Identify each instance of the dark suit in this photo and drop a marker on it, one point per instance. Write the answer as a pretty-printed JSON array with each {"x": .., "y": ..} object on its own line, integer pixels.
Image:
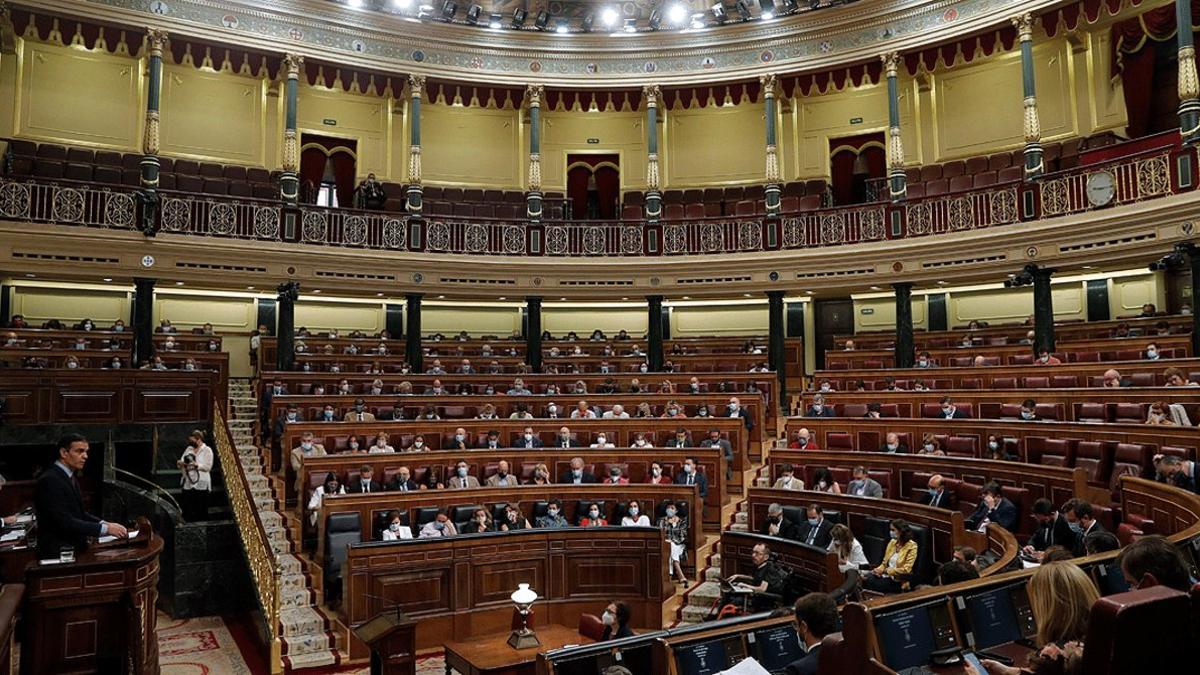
[
  {"x": 946, "y": 499},
  {"x": 958, "y": 415},
  {"x": 410, "y": 485},
  {"x": 825, "y": 411},
  {"x": 673, "y": 442},
  {"x": 698, "y": 478},
  {"x": 567, "y": 478},
  {"x": 807, "y": 665},
  {"x": 62, "y": 522},
  {"x": 558, "y": 443},
  {"x": 1057, "y": 533},
  {"x": 522, "y": 443},
  {"x": 901, "y": 449},
  {"x": 787, "y": 529},
  {"x": 1079, "y": 549},
  {"x": 1004, "y": 515},
  {"x": 742, "y": 413},
  {"x": 357, "y": 487},
  {"x": 819, "y": 534}
]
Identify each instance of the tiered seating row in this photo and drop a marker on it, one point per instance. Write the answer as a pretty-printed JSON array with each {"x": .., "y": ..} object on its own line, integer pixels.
[
  {"x": 1065, "y": 376},
  {"x": 1144, "y": 327},
  {"x": 1090, "y": 351}
]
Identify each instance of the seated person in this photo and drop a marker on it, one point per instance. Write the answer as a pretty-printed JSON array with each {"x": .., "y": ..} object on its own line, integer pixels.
[
  {"x": 554, "y": 517},
  {"x": 787, "y": 479},
  {"x": 815, "y": 530},
  {"x": 481, "y": 522},
  {"x": 403, "y": 482},
  {"x": 816, "y": 617},
  {"x": 994, "y": 508},
  {"x": 513, "y": 520},
  {"x": 1045, "y": 358},
  {"x": 954, "y": 571},
  {"x": 395, "y": 529},
  {"x": 359, "y": 413},
  {"x": 593, "y": 518},
  {"x": 633, "y": 516},
  {"x": 951, "y": 411},
  {"x": 936, "y": 494},
  {"x": 818, "y": 408},
  {"x": 863, "y": 485},
  {"x": 616, "y": 621},
  {"x": 640, "y": 441},
  {"x": 331, "y": 486},
  {"x": 1052, "y": 529},
  {"x": 823, "y": 482},
  {"x": 541, "y": 475},
  {"x": 615, "y": 477},
  {"x": 1175, "y": 471},
  {"x": 1081, "y": 517},
  {"x": 1151, "y": 560},
  {"x": 492, "y": 442},
  {"x": 930, "y": 445},
  {"x": 617, "y": 412},
  {"x": 460, "y": 441},
  {"x": 418, "y": 444},
  {"x": 997, "y": 449},
  {"x": 440, "y": 526},
  {"x": 691, "y": 476},
  {"x": 768, "y": 577},
  {"x": 366, "y": 482},
  {"x": 602, "y": 442},
  {"x": 778, "y": 525},
  {"x": 1029, "y": 410},
  {"x": 803, "y": 441},
  {"x": 657, "y": 476},
  {"x": 892, "y": 444},
  {"x": 502, "y": 477},
  {"x": 898, "y": 560},
  {"x": 461, "y": 479},
  {"x": 381, "y": 444},
  {"x": 576, "y": 474}
]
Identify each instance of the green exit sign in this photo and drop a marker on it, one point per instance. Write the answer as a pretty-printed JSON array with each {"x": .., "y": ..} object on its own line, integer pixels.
[
  {"x": 329, "y": 122},
  {"x": 855, "y": 120}
]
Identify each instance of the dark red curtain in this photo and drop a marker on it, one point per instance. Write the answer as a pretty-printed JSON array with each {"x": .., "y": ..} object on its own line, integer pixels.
[
  {"x": 1144, "y": 56},
  {"x": 577, "y": 185},
  {"x": 847, "y": 187},
  {"x": 312, "y": 167},
  {"x": 343, "y": 175},
  {"x": 608, "y": 184}
]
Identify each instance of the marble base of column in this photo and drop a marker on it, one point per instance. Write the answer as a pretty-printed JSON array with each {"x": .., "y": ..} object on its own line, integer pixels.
[
  {"x": 533, "y": 334},
  {"x": 1043, "y": 312},
  {"x": 1189, "y": 121},
  {"x": 772, "y": 196},
  {"x": 897, "y": 184},
  {"x": 654, "y": 334},
  {"x": 1034, "y": 162},
  {"x": 533, "y": 205},
  {"x": 653, "y": 205},
  {"x": 143, "y": 321},
  {"x": 412, "y": 333},
  {"x": 904, "y": 326},
  {"x": 415, "y": 199},
  {"x": 289, "y": 188}
]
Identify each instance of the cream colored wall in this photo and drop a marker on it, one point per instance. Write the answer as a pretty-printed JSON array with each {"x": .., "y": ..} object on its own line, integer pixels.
[
  {"x": 472, "y": 146},
  {"x": 583, "y": 320},
  {"x": 714, "y": 145},
  {"x": 214, "y": 116},
  {"x": 817, "y": 119},
  {"x": 1126, "y": 295},
  {"x": 233, "y": 317},
  {"x": 367, "y": 119},
  {"x": 70, "y": 304},
  {"x": 717, "y": 319},
  {"x": 450, "y": 319},
  {"x": 75, "y": 96},
  {"x": 567, "y": 133},
  {"x": 321, "y": 315},
  {"x": 881, "y": 314}
]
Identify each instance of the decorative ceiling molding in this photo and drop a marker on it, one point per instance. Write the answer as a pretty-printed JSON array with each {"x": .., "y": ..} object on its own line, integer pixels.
[{"x": 322, "y": 30}]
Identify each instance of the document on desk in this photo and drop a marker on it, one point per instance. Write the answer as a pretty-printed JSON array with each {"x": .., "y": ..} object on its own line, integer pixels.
[
  {"x": 109, "y": 538},
  {"x": 746, "y": 667},
  {"x": 12, "y": 536}
]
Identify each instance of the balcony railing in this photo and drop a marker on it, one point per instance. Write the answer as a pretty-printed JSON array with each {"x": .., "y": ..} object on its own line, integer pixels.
[{"x": 1136, "y": 177}]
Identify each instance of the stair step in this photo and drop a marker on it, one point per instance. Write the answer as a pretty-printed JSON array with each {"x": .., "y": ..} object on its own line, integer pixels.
[
  {"x": 314, "y": 660},
  {"x": 741, "y": 518},
  {"x": 712, "y": 574},
  {"x": 739, "y": 527}
]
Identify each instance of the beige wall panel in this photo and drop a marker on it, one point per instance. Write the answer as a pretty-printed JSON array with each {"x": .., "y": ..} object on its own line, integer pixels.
[
  {"x": 712, "y": 145},
  {"x": 8, "y": 93},
  {"x": 1101, "y": 95},
  {"x": 346, "y": 317},
  {"x": 978, "y": 107},
  {"x": 217, "y": 117},
  {"x": 692, "y": 321},
  {"x": 583, "y": 320},
  {"x": 70, "y": 305},
  {"x": 883, "y": 314},
  {"x": 621, "y": 133},
  {"x": 820, "y": 118},
  {"x": 1128, "y": 294},
  {"x": 359, "y": 117},
  {"x": 79, "y": 97},
  {"x": 226, "y": 314},
  {"x": 1014, "y": 305},
  {"x": 481, "y": 320},
  {"x": 471, "y": 146}
]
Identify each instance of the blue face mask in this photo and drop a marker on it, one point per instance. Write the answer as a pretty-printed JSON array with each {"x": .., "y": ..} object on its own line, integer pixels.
[
  {"x": 814, "y": 521},
  {"x": 933, "y": 492},
  {"x": 1076, "y": 527},
  {"x": 895, "y": 537}
]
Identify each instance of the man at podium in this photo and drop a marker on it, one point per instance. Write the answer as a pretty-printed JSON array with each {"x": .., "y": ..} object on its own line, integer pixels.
[{"x": 58, "y": 503}]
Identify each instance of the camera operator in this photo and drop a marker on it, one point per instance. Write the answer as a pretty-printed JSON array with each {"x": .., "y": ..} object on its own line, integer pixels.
[{"x": 196, "y": 480}]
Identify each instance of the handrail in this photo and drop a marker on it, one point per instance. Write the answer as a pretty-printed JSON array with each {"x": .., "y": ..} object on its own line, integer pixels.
[
  {"x": 264, "y": 566},
  {"x": 154, "y": 487}
]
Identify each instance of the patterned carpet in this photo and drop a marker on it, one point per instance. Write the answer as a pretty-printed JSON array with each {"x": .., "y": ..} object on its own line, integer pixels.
[{"x": 206, "y": 646}]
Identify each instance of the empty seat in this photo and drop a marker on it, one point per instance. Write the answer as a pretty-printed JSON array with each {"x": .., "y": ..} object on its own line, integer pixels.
[
  {"x": 236, "y": 189},
  {"x": 452, "y": 194},
  {"x": 1141, "y": 631},
  {"x": 166, "y": 181},
  {"x": 793, "y": 190},
  {"x": 81, "y": 155},
  {"x": 77, "y": 171},
  {"x": 52, "y": 151},
  {"x": 234, "y": 172},
  {"x": 976, "y": 165},
  {"x": 816, "y": 186},
  {"x": 936, "y": 187},
  {"x": 473, "y": 195},
  {"x": 188, "y": 167},
  {"x": 954, "y": 169},
  {"x": 1036, "y": 382},
  {"x": 1004, "y": 383},
  {"x": 673, "y": 197},
  {"x": 712, "y": 210},
  {"x": 809, "y": 203},
  {"x": 693, "y": 211},
  {"x": 631, "y": 213},
  {"x": 789, "y": 204},
  {"x": 693, "y": 196},
  {"x": 931, "y": 172},
  {"x": 745, "y": 207},
  {"x": 106, "y": 175},
  {"x": 1133, "y": 413},
  {"x": 49, "y": 168},
  {"x": 1090, "y": 412},
  {"x": 264, "y": 191},
  {"x": 915, "y": 190},
  {"x": 1010, "y": 174},
  {"x": 258, "y": 175},
  {"x": 186, "y": 183},
  {"x": 673, "y": 211},
  {"x": 985, "y": 179},
  {"x": 634, "y": 198},
  {"x": 1129, "y": 459},
  {"x": 493, "y": 196},
  {"x": 462, "y": 209},
  {"x": 961, "y": 183},
  {"x": 1064, "y": 381},
  {"x": 216, "y": 186},
  {"x": 754, "y": 192},
  {"x": 484, "y": 211},
  {"x": 733, "y": 194},
  {"x": 1095, "y": 458},
  {"x": 210, "y": 170},
  {"x": 1055, "y": 452},
  {"x": 999, "y": 161}
]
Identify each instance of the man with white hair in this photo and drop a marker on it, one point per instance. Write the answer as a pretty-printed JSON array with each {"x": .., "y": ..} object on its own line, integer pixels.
[{"x": 617, "y": 412}]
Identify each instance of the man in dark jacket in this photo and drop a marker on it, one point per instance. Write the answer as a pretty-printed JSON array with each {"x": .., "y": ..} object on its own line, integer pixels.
[{"x": 58, "y": 504}]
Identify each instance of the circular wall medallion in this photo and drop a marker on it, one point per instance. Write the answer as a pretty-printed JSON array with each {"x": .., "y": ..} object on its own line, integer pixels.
[
  {"x": 291, "y": 271},
  {"x": 1031, "y": 252},
  {"x": 229, "y": 21},
  {"x": 708, "y": 62},
  {"x": 418, "y": 55},
  {"x": 773, "y": 276},
  {"x": 950, "y": 15},
  {"x": 1187, "y": 227},
  {"x": 535, "y": 66},
  {"x": 358, "y": 46},
  {"x": 654, "y": 281},
  {"x": 296, "y": 34},
  {"x": 147, "y": 261},
  {"x": 766, "y": 56},
  {"x": 650, "y": 66},
  {"x": 897, "y": 266},
  {"x": 417, "y": 277}
]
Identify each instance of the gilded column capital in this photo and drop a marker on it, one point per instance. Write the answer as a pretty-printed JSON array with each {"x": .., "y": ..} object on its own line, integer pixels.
[
  {"x": 768, "y": 82},
  {"x": 534, "y": 94},
  {"x": 156, "y": 39},
  {"x": 415, "y": 84},
  {"x": 535, "y": 172},
  {"x": 652, "y": 94},
  {"x": 1024, "y": 25},
  {"x": 891, "y": 63},
  {"x": 1189, "y": 86},
  {"x": 292, "y": 63}
]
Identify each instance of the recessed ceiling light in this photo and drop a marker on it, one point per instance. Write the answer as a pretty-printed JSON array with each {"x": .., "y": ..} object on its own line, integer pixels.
[
  {"x": 107, "y": 279},
  {"x": 249, "y": 288},
  {"x": 875, "y": 288},
  {"x": 747, "y": 295},
  {"x": 1088, "y": 267},
  {"x": 503, "y": 298},
  {"x": 441, "y": 297},
  {"x": 379, "y": 295},
  {"x": 687, "y": 297},
  {"x": 562, "y": 299},
  {"x": 809, "y": 292},
  {"x": 178, "y": 283},
  {"x": 625, "y": 298},
  {"x": 31, "y": 275},
  {"x": 316, "y": 290},
  {"x": 941, "y": 283}
]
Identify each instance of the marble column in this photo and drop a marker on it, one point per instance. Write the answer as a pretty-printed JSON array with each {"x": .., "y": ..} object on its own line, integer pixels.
[
  {"x": 652, "y": 94},
  {"x": 1032, "y": 124},
  {"x": 897, "y": 182},
  {"x": 285, "y": 333},
  {"x": 415, "y": 193},
  {"x": 773, "y": 188},
  {"x": 533, "y": 333},
  {"x": 1189, "y": 87},
  {"x": 533, "y": 198},
  {"x": 413, "y": 355},
  {"x": 155, "y": 41},
  {"x": 654, "y": 335},
  {"x": 1043, "y": 310},
  {"x": 904, "y": 325},
  {"x": 143, "y": 321},
  {"x": 777, "y": 333},
  {"x": 289, "y": 181}
]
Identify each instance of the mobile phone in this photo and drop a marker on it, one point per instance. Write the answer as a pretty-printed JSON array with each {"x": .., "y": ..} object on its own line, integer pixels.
[{"x": 972, "y": 659}]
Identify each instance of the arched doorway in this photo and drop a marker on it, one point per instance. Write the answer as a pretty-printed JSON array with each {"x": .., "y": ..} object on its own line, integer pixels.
[
  {"x": 857, "y": 167},
  {"x": 327, "y": 170},
  {"x": 594, "y": 185}
]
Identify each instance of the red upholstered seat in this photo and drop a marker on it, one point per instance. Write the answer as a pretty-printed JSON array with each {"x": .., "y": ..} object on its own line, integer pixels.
[
  {"x": 1064, "y": 381},
  {"x": 1004, "y": 383},
  {"x": 1091, "y": 412},
  {"x": 986, "y": 179},
  {"x": 673, "y": 197},
  {"x": 963, "y": 446},
  {"x": 1131, "y": 459},
  {"x": 673, "y": 212},
  {"x": 790, "y": 204},
  {"x": 885, "y": 481},
  {"x": 794, "y": 189},
  {"x": 591, "y": 627},
  {"x": 712, "y": 210},
  {"x": 1036, "y": 382},
  {"x": 931, "y": 172},
  {"x": 1142, "y": 631},
  {"x": 976, "y": 165},
  {"x": 234, "y": 172},
  {"x": 1129, "y": 412},
  {"x": 1047, "y": 411},
  {"x": 835, "y": 440},
  {"x": 953, "y": 169},
  {"x": 1095, "y": 458},
  {"x": 1142, "y": 380},
  {"x": 1054, "y": 451},
  {"x": 1087, "y": 357},
  {"x": 745, "y": 207},
  {"x": 971, "y": 383},
  {"x": 695, "y": 210},
  {"x": 1010, "y": 174},
  {"x": 1127, "y": 533},
  {"x": 915, "y": 190},
  {"x": 961, "y": 183},
  {"x": 810, "y": 203},
  {"x": 998, "y": 161},
  {"x": 631, "y": 213},
  {"x": 936, "y": 187},
  {"x": 854, "y": 410},
  {"x": 1010, "y": 411}
]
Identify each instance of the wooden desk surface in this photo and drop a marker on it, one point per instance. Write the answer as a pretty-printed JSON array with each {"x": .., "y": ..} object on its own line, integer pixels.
[{"x": 491, "y": 653}]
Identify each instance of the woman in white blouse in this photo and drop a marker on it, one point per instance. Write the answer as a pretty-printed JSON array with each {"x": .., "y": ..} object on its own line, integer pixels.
[
  {"x": 196, "y": 478},
  {"x": 395, "y": 529},
  {"x": 850, "y": 559},
  {"x": 634, "y": 517},
  {"x": 331, "y": 486},
  {"x": 381, "y": 444}
]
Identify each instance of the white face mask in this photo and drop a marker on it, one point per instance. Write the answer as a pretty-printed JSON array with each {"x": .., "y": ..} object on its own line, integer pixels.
[
  {"x": 633, "y": 511},
  {"x": 609, "y": 619},
  {"x": 395, "y": 528}
]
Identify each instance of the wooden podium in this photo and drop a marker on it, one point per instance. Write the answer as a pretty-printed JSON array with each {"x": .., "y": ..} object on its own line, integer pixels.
[
  {"x": 391, "y": 637},
  {"x": 97, "y": 614}
]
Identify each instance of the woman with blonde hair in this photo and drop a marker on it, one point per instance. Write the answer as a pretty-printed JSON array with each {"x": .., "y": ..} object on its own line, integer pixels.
[{"x": 1061, "y": 596}]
